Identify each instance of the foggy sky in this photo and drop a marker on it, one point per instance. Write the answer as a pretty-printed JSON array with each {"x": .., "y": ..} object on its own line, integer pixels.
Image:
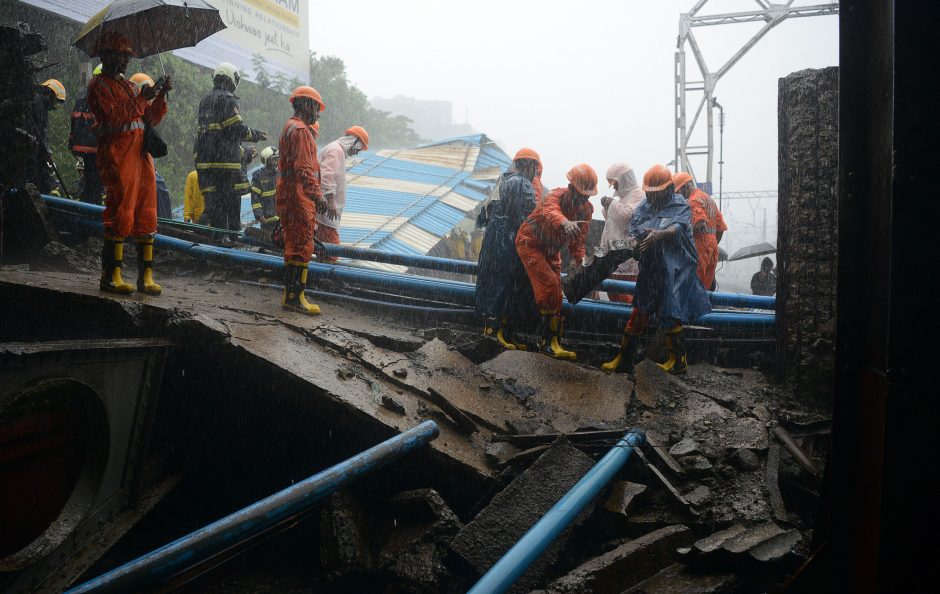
[{"x": 592, "y": 83}]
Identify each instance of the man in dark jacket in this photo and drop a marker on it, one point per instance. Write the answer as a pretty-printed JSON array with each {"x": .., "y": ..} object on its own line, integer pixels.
[
  {"x": 263, "y": 186},
  {"x": 218, "y": 152},
  {"x": 50, "y": 95},
  {"x": 503, "y": 291},
  {"x": 667, "y": 286},
  {"x": 83, "y": 144}
]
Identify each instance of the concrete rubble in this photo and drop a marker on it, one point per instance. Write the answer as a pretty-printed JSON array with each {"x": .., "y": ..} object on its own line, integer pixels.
[{"x": 712, "y": 494}]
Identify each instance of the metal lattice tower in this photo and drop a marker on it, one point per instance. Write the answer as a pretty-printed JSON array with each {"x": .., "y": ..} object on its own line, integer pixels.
[{"x": 771, "y": 15}]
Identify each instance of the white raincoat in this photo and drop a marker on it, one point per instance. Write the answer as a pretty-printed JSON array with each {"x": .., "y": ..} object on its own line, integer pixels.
[
  {"x": 627, "y": 197},
  {"x": 333, "y": 178}
]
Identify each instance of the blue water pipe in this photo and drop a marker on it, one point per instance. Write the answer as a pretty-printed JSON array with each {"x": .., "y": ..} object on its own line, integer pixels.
[
  {"x": 437, "y": 290},
  {"x": 504, "y": 573},
  {"x": 170, "y": 560}
]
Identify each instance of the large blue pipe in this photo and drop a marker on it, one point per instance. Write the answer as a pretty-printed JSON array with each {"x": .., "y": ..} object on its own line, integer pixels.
[
  {"x": 504, "y": 573},
  {"x": 430, "y": 289},
  {"x": 185, "y": 553}
]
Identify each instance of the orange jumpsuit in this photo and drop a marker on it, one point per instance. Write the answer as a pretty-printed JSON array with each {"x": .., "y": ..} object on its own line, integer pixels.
[
  {"x": 539, "y": 242},
  {"x": 127, "y": 173},
  {"x": 705, "y": 210},
  {"x": 298, "y": 186}
]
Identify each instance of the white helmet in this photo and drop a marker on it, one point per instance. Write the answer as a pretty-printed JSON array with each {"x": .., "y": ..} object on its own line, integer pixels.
[
  {"x": 267, "y": 153},
  {"x": 228, "y": 70}
]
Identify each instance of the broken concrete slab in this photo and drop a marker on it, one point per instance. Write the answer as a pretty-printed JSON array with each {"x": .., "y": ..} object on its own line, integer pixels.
[
  {"x": 567, "y": 396},
  {"x": 659, "y": 453},
  {"x": 744, "y": 459},
  {"x": 681, "y": 579},
  {"x": 626, "y": 565},
  {"x": 624, "y": 497},
  {"x": 699, "y": 495},
  {"x": 499, "y": 453},
  {"x": 741, "y": 547},
  {"x": 518, "y": 507},
  {"x": 654, "y": 386},
  {"x": 661, "y": 478},
  {"x": 413, "y": 547},
  {"x": 685, "y": 447},
  {"x": 698, "y": 466}
]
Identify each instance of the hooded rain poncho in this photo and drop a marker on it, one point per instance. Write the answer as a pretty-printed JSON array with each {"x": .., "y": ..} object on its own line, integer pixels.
[{"x": 667, "y": 285}]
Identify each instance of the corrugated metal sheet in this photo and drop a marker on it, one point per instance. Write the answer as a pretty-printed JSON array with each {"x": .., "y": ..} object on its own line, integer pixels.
[{"x": 407, "y": 200}]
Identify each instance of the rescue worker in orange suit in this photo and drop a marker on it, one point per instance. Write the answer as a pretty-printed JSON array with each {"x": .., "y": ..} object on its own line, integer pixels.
[
  {"x": 83, "y": 144},
  {"x": 667, "y": 286},
  {"x": 707, "y": 227},
  {"x": 127, "y": 172},
  {"x": 562, "y": 218},
  {"x": 298, "y": 194},
  {"x": 263, "y": 186},
  {"x": 50, "y": 95},
  {"x": 333, "y": 182},
  {"x": 219, "y": 156}
]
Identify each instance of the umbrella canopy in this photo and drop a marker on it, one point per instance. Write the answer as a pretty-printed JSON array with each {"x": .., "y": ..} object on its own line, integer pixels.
[
  {"x": 722, "y": 255},
  {"x": 751, "y": 251},
  {"x": 153, "y": 26}
]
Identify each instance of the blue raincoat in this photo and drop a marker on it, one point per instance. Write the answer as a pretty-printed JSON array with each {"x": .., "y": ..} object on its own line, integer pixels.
[
  {"x": 667, "y": 285},
  {"x": 502, "y": 285}
]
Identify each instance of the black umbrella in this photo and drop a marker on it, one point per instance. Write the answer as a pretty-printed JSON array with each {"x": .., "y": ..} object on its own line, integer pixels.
[
  {"x": 751, "y": 251},
  {"x": 153, "y": 26}
]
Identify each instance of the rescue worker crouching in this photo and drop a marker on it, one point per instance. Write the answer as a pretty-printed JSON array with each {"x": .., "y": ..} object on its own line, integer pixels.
[
  {"x": 562, "y": 217},
  {"x": 333, "y": 183},
  {"x": 263, "y": 186},
  {"x": 127, "y": 171},
  {"x": 667, "y": 285},
  {"x": 218, "y": 152},
  {"x": 297, "y": 195}
]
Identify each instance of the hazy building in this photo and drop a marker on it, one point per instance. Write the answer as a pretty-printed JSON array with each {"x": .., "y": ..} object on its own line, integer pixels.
[{"x": 433, "y": 120}]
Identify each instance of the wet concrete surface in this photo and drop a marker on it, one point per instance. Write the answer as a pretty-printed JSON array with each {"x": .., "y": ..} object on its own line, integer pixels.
[{"x": 379, "y": 374}]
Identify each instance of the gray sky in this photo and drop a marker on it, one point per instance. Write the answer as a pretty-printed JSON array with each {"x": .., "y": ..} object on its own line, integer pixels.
[{"x": 589, "y": 82}]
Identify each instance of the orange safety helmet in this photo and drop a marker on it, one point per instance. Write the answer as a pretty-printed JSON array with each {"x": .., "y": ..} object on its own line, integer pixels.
[
  {"x": 140, "y": 79},
  {"x": 56, "y": 87},
  {"x": 316, "y": 129},
  {"x": 584, "y": 179},
  {"x": 658, "y": 178},
  {"x": 309, "y": 93},
  {"x": 527, "y": 153},
  {"x": 360, "y": 133},
  {"x": 114, "y": 42},
  {"x": 680, "y": 179}
]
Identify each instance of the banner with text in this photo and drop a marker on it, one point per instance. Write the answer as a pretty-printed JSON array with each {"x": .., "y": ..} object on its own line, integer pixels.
[{"x": 277, "y": 30}]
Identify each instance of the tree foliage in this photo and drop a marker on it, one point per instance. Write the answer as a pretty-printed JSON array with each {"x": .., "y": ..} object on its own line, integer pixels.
[{"x": 264, "y": 104}]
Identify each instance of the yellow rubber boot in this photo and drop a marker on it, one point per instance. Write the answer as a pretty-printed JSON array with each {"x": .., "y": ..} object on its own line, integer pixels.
[
  {"x": 145, "y": 283},
  {"x": 505, "y": 336},
  {"x": 294, "y": 286},
  {"x": 112, "y": 256},
  {"x": 624, "y": 356},
  {"x": 551, "y": 341},
  {"x": 676, "y": 363}
]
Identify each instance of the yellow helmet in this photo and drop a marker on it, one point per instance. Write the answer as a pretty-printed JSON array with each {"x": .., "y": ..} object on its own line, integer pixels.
[{"x": 56, "y": 87}]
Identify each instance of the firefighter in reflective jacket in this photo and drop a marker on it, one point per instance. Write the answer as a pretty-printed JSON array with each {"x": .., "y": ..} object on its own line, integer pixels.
[
  {"x": 263, "y": 184},
  {"x": 83, "y": 144},
  {"x": 218, "y": 153},
  {"x": 298, "y": 195}
]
